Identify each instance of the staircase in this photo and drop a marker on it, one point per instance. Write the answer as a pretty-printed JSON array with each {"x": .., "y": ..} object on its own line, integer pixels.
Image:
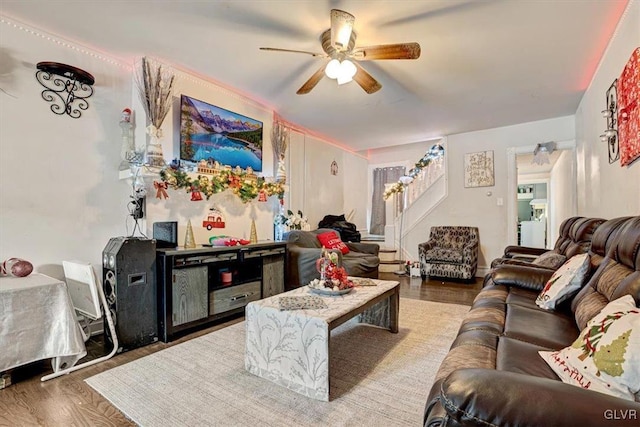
[
  {"x": 388, "y": 256},
  {"x": 406, "y": 210}
]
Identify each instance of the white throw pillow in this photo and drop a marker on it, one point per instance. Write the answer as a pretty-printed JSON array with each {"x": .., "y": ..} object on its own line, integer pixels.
[
  {"x": 604, "y": 358},
  {"x": 565, "y": 282}
]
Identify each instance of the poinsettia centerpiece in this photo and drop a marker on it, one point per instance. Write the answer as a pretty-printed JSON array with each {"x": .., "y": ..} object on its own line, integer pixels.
[{"x": 331, "y": 275}]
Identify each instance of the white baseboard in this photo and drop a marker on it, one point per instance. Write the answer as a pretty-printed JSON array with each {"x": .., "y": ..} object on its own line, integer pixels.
[{"x": 482, "y": 271}]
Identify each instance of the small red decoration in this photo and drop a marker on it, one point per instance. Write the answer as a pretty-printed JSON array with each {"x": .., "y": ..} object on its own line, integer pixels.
[
  {"x": 234, "y": 182},
  {"x": 262, "y": 196},
  {"x": 196, "y": 196},
  {"x": 214, "y": 220},
  {"x": 161, "y": 189}
]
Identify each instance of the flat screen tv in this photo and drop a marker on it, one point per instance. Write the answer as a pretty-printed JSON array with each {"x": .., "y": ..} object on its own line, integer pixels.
[{"x": 214, "y": 134}]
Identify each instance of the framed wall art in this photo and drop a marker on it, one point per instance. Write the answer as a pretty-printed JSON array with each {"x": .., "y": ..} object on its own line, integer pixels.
[
  {"x": 629, "y": 110},
  {"x": 478, "y": 169}
]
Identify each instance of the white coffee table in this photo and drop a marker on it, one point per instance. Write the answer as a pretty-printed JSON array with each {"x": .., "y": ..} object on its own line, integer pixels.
[{"x": 291, "y": 348}]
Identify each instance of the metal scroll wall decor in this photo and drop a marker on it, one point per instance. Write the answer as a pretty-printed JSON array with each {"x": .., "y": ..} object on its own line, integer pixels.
[
  {"x": 610, "y": 135},
  {"x": 66, "y": 87}
]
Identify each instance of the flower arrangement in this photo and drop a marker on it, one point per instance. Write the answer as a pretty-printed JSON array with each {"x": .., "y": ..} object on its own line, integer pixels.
[
  {"x": 331, "y": 276},
  {"x": 295, "y": 221},
  {"x": 155, "y": 86}
]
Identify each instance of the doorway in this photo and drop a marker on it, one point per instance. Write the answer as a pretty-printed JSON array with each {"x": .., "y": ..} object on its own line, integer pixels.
[
  {"x": 540, "y": 197},
  {"x": 533, "y": 212}
]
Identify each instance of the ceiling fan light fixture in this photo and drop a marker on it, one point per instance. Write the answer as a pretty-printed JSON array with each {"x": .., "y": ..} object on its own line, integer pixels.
[
  {"x": 344, "y": 78},
  {"x": 333, "y": 69},
  {"x": 341, "y": 28},
  {"x": 348, "y": 68},
  {"x": 542, "y": 151},
  {"x": 342, "y": 71}
]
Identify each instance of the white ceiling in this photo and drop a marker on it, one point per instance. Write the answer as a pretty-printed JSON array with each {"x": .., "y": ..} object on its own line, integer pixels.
[{"x": 484, "y": 63}]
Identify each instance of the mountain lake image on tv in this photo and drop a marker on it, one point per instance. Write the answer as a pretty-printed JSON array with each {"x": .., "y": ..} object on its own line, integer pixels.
[{"x": 214, "y": 134}]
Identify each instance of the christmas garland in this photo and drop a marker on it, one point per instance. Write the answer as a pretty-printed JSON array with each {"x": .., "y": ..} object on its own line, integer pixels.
[
  {"x": 244, "y": 185},
  {"x": 435, "y": 152}
]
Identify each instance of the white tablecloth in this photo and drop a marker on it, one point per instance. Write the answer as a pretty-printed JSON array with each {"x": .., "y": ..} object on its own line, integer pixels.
[
  {"x": 291, "y": 348},
  {"x": 37, "y": 322}
]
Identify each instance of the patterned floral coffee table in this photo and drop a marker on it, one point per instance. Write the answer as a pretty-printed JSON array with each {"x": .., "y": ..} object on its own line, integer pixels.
[{"x": 291, "y": 347}]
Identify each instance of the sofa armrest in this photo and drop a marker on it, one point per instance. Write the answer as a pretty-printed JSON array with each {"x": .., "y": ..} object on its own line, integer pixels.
[
  {"x": 481, "y": 397},
  {"x": 367, "y": 248},
  {"x": 512, "y": 261},
  {"x": 512, "y": 251},
  {"x": 525, "y": 277},
  {"x": 425, "y": 246},
  {"x": 468, "y": 250}
]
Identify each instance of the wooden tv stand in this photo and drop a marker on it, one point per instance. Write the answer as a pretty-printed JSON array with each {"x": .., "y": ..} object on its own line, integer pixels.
[{"x": 191, "y": 291}]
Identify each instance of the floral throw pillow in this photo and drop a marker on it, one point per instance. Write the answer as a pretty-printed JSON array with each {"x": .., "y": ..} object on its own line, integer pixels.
[
  {"x": 604, "y": 358},
  {"x": 550, "y": 260},
  {"x": 564, "y": 283},
  {"x": 331, "y": 240}
]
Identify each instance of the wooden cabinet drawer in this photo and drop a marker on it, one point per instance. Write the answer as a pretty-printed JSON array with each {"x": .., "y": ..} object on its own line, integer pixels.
[
  {"x": 189, "y": 295},
  {"x": 234, "y": 297}
]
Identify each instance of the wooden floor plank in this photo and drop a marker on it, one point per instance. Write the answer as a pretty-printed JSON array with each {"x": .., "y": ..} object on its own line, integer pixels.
[{"x": 69, "y": 401}]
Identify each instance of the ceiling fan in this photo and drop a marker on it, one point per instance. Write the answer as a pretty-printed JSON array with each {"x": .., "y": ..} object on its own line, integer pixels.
[{"x": 338, "y": 44}]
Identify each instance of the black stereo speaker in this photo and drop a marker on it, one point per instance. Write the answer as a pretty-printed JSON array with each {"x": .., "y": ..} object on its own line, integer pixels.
[
  {"x": 129, "y": 282},
  {"x": 166, "y": 234}
]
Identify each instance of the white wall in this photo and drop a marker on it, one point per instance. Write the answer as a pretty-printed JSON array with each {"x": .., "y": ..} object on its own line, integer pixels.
[
  {"x": 179, "y": 207},
  {"x": 324, "y": 193},
  {"x": 562, "y": 193},
  {"x": 355, "y": 198},
  {"x": 606, "y": 190},
  {"x": 478, "y": 206},
  {"x": 294, "y": 198},
  {"x": 318, "y": 193},
  {"x": 60, "y": 197},
  {"x": 60, "y": 192}
]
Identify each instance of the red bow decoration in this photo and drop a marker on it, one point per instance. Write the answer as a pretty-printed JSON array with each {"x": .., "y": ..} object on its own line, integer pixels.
[
  {"x": 234, "y": 182},
  {"x": 161, "y": 189}
]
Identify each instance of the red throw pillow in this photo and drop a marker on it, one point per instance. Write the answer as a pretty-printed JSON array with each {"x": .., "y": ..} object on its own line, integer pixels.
[{"x": 331, "y": 240}]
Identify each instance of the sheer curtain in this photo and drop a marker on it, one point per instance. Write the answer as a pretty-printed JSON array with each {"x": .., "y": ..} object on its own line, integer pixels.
[{"x": 382, "y": 176}]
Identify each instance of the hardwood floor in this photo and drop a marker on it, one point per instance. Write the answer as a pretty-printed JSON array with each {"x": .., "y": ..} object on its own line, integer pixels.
[{"x": 69, "y": 401}]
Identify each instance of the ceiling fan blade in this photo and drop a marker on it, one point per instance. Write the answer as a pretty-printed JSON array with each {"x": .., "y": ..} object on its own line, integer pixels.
[
  {"x": 366, "y": 80},
  {"x": 387, "y": 51},
  {"x": 341, "y": 29},
  {"x": 275, "y": 49},
  {"x": 312, "y": 82}
]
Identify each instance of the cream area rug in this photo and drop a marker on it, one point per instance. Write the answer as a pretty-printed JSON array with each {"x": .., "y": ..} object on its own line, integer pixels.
[{"x": 377, "y": 378}]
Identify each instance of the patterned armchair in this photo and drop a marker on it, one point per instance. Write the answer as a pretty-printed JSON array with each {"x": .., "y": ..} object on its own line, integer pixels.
[{"x": 451, "y": 252}]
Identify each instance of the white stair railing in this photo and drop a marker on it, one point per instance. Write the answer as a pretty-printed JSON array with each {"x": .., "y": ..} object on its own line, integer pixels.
[
  {"x": 399, "y": 206},
  {"x": 425, "y": 179}
]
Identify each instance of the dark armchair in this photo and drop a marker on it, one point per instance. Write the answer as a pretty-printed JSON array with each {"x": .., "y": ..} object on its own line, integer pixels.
[
  {"x": 575, "y": 238},
  {"x": 304, "y": 248},
  {"x": 451, "y": 252}
]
